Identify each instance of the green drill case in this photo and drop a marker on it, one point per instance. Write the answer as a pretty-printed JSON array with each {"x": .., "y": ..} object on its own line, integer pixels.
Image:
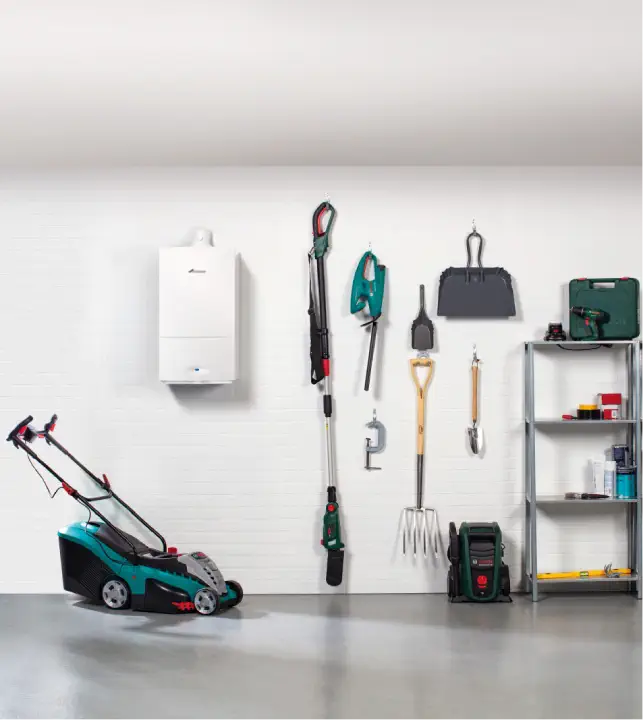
[{"x": 618, "y": 297}]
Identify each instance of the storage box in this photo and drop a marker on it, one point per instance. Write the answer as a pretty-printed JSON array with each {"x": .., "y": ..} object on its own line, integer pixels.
[{"x": 618, "y": 297}]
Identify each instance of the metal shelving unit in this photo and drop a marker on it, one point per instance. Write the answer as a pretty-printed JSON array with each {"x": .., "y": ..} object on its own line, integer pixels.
[{"x": 533, "y": 500}]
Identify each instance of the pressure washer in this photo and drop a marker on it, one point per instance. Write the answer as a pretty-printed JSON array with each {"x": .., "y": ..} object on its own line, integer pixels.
[{"x": 477, "y": 572}]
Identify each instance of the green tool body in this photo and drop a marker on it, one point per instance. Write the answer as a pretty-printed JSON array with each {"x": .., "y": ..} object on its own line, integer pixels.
[
  {"x": 331, "y": 539},
  {"x": 369, "y": 291},
  {"x": 592, "y": 318}
]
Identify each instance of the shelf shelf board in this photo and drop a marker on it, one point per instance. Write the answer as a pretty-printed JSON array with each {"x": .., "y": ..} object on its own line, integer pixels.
[
  {"x": 543, "y": 422},
  {"x": 624, "y": 578},
  {"x": 560, "y": 500},
  {"x": 576, "y": 343}
]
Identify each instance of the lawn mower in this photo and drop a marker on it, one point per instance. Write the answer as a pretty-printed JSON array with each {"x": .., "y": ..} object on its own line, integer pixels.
[{"x": 105, "y": 564}]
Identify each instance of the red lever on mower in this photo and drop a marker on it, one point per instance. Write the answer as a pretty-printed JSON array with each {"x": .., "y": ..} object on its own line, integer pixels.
[
  {"x": 51, "y": 425},
  {"x": 68, "y": 489}
]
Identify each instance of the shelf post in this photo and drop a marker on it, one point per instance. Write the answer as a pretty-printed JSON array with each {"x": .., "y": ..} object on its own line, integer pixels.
[
  {"x": 530, "y": 469},
  {"x": 637, "y": 457}
]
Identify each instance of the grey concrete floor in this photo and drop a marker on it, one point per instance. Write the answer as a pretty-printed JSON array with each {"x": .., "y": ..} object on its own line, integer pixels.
[{"x": 324, "y": 656}]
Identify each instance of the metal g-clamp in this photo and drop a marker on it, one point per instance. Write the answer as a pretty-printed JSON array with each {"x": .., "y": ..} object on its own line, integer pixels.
[{"x": 377, "y": 446}]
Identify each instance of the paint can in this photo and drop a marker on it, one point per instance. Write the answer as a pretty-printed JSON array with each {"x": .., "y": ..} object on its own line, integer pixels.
[
  {"x": 611, "y": 405},
  {"x": 589, "y": 412}
]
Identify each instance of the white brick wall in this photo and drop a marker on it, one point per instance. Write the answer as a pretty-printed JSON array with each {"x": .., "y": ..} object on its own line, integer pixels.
[{"x": 237, "y": 471}]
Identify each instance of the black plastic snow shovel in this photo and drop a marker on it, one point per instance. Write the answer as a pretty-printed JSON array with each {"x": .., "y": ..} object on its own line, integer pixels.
[
  {"x": 476, "y": 292},
  {"x": 422, "y": 328}
]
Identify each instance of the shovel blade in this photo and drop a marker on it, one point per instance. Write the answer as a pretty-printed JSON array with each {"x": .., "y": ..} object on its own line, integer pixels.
[
  {"x": 422, "y": 335},
  {"x": 422, "y": 328}
]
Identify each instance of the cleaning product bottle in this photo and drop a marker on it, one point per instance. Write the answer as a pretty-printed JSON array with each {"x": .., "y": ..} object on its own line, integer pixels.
[
  {"x": 598, "y": 469},
  {"x": 610, "y": 478},
  {"x": 625, "y": 482}
]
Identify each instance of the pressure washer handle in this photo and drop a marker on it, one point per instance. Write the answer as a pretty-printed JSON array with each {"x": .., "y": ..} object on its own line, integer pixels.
[{"x": 19, "y": 429}]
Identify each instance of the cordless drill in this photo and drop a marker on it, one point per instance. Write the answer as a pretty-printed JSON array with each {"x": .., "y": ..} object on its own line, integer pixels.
[{"x": 593, "y": 318}]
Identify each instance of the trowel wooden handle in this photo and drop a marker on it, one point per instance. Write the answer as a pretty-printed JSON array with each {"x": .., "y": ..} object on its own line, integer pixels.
[{"x": 474, "y": 400}]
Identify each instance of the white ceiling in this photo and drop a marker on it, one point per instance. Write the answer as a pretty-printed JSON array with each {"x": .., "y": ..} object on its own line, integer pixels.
[{"x": 203, "y": 82}]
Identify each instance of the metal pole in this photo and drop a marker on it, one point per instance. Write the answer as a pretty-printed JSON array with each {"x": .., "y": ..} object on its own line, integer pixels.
[
  {"x": 325, "y": 349},
  {"x": 527, "y": 552},
  {"x": 533, "y": 539}
]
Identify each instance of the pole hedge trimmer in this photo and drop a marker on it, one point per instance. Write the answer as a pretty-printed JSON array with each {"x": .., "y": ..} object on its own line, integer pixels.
[{"x": 320, "y": 370}]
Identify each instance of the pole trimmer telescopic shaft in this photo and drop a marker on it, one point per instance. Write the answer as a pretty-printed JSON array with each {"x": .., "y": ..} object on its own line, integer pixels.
[
  {"x": 325, "y": 353},
  {"x": 323, "y": 335},
  {"x": 320, "y": 370}
]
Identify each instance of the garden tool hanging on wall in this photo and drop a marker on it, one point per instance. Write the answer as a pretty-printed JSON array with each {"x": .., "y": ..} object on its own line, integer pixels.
[
  {"x": 422, "y": 334},
  {"x": 368, "y": 289},
  {"x": 475, "y": 434},
  {"x": 420, "y": 524},
  {"x": 374, "y": 446},
  {"x": 476, "y": 292},
  {"x": 320, "y": 370}
]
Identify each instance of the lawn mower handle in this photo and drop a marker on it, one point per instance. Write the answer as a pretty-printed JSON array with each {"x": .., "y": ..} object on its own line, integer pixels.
[
  {"x": 15, "y": 437},
  {"x": 16, "y": 431},
  {"x": 19, "y": 430},
  {"x": 51, "y": 425}
]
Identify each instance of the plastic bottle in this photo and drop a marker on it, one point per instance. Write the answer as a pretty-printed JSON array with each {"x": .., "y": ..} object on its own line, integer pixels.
[
  {"x": 610, "y": 478},
  {"x": 598, "y": 466},
  {"x": 626, "y": 482}
]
